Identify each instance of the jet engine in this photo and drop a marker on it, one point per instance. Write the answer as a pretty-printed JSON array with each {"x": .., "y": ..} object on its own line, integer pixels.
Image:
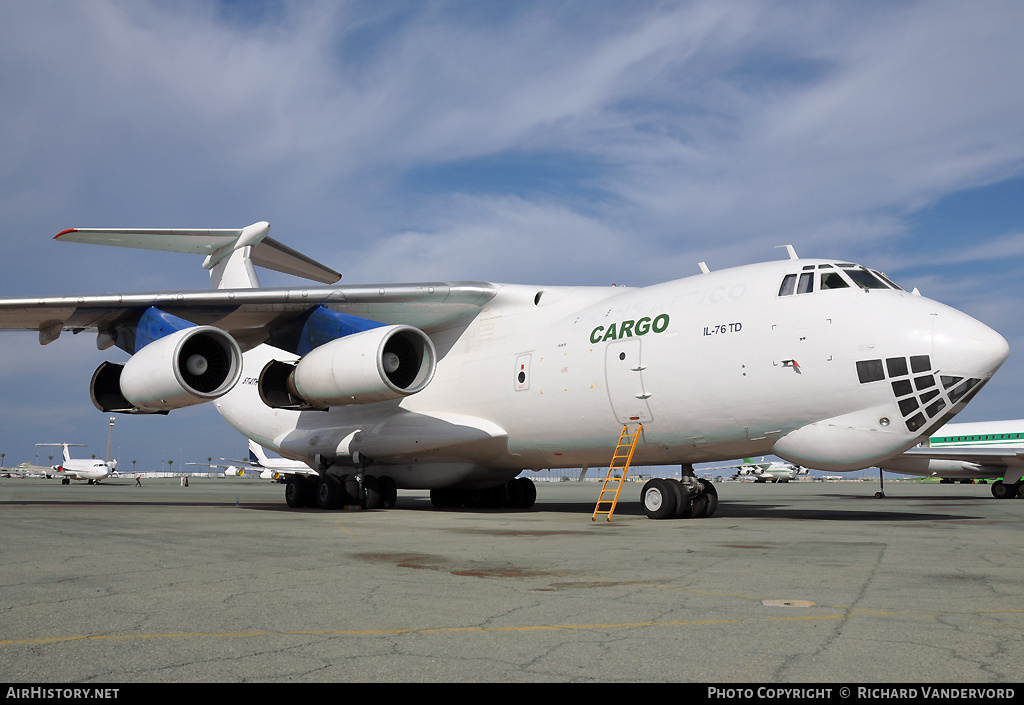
[
  {"x": 191, "y": 366},
  {"x": 383, "y": 363}
]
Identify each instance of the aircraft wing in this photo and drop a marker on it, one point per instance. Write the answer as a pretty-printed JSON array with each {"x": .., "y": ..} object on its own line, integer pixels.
[
  {"x": 248, "y": 314},
  {"x": 1006, "y": 456}
]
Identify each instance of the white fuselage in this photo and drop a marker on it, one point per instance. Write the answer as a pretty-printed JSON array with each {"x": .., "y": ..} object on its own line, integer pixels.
[
  {"x": 715, "y": 366},
  {"x": 980, "y": 436},
  {"x": 83, "y": 469}
]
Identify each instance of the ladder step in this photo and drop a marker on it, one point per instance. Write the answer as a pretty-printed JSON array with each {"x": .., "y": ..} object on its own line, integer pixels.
[{"x": 613, "y": 484}]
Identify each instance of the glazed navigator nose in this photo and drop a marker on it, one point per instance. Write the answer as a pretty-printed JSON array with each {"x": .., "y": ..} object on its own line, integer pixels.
[{"x": 965, "y": 346}]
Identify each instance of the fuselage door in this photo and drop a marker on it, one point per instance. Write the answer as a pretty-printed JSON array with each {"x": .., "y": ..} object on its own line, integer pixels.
[{"x": 624, "y": 376}]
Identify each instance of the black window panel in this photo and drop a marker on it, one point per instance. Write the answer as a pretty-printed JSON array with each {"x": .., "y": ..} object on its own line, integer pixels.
[
  {"x": 870, "y": 371},
  {"x": 924, "y": 382},
  {"x": 937, "y": 406},
  {"x": 788, "y": 285},
  {"x": 902, "y": 387},
  {"x": 806, "y": 285},
  {"x": 916, "y": 423},
  {"x": 897, "y": 366},
  {"x": 928, "y": 396},
  {"x": 958, "y": 393},
  {"x": 948, "y": 381},
  {"x": 908, "y": 406},
  {"x": 920, "y": 363}
]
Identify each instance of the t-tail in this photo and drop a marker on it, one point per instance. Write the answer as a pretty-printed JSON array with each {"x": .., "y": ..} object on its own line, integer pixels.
[{"x": 231, "y": 255}]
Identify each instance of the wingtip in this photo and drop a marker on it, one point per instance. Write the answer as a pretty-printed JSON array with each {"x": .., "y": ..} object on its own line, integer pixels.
[{"x": 65, "y": 232}]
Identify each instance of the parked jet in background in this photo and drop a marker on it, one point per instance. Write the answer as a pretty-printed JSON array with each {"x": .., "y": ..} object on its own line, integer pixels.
[
  {"x": 459, "y": 387},
  {"x": 80, "y": 469},
  {"x": 989, "y": 450},
  {"x": 765, "y": 472}
]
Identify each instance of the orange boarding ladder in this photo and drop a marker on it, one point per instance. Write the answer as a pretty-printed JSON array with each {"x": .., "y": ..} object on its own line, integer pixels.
[{"x": 621, "y": 459}]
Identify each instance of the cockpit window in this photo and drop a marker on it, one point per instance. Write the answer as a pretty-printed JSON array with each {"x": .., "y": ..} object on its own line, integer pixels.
[
  {"x": 832, "y": 280},
  {"x": 887, "y": 280},
  {"x": 788, "y": 285},
  {"x": 865, "y": 279},
  {"x": 806, "y": 284}
]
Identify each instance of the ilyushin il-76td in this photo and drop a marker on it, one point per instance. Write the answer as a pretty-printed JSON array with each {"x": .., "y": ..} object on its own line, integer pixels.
[{"x": 459, "y": 387}]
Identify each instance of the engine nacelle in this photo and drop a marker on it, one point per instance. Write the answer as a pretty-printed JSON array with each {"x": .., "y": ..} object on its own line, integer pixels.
[
  {"x": 191, "y": 366},
  {"x": 376, "y": 365}
]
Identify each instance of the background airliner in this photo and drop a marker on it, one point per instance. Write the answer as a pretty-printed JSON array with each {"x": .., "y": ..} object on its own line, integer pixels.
[
  {"x": 91, "y": 470},
  {"x": 992, "y": 450},
  {"x": 458, "y": 387}
]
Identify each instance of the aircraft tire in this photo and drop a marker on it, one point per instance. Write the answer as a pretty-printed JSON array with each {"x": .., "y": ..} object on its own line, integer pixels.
[
  {"x": 329, "y": 493},
  {"x": 683, "y": 504},
  {"x": 1019, "y": 486},
  {"x": 388, "y": 491},
  {"x": 529, "y": 492},
  {"x": 514, "y": 494},
  {"x": 374, "y": 496},
  {"x": 658, "y": 499},
  {"x": 1001, "y": 491},
  {"x": 295, "y": 492},
  {"x": 712, "y": 494}
]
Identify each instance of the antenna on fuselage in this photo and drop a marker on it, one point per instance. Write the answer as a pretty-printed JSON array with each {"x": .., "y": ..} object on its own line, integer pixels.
[
  {"x": 704, "y": 267},
  {"x": 790, "y": 250}
]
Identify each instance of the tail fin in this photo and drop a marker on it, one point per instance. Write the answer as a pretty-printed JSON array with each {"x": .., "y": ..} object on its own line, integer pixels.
[
  {"x": 230, "y": 254},
  {"x": 256, "y": 454}
]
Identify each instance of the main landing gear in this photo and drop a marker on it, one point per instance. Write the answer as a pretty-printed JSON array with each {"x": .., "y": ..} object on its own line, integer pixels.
[
  {"x": 688, "y": 498},
  {"x": 517, "y": 493},
  {"x": 329, "y": 491},
  {"x": 1004, "y": 490}
]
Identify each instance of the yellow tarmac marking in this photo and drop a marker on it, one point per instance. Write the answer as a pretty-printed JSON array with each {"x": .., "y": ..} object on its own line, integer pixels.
[{"x": 392, "y": 632}]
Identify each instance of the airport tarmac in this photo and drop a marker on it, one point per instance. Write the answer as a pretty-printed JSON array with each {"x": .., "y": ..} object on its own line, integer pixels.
[{"x": 804, "y": 582}]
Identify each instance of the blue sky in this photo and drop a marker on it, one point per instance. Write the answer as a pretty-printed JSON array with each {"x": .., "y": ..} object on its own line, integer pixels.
[{"x": 528, "y": 142}]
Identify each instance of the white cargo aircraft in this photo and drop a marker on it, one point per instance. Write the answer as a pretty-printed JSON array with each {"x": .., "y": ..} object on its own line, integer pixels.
[
  {"x": 764, "y": 471},
  {"x": 988, "y": 450},
  {"x": 458, "y": 387},
  {"x": 80, "y": 469}
]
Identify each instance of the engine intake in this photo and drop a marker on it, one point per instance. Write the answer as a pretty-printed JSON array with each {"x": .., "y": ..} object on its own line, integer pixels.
[
  {"x": 191, "y": 366},
  {"x": 376, "y": 365}
]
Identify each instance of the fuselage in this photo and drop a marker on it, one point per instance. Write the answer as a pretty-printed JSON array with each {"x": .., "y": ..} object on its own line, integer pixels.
[
  {"x": 826, "y": 373},
  {"x": 83, "y": 469},
  {"x": 979, "y": 436}
]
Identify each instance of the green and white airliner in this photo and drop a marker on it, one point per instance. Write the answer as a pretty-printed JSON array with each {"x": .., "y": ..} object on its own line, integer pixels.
[{"x": 987, "y": 450}]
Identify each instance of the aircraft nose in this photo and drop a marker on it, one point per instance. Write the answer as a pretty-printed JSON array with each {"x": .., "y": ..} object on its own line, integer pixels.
[{"x": 965, "y": 345}]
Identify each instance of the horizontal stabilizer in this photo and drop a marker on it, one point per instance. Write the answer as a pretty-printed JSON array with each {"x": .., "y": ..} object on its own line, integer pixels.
[{"x": 215, "y": 244}]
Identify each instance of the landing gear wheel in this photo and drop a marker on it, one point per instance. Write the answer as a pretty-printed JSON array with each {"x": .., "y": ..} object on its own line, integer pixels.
[
  {"x": 684, "y": 507},
  {"x": 513, "y": 494},
  {"x": 529, "y": 492},
  {"x": 699, "y": 506},
  {"x": 658, "y": 499},
  {"x": 388, "y": 492},
  {"x": 1019, "y": 486},
  {"x": 295, "y": 492},
  {"x": 1001, "y": 491},
  {"x": 374, "y": 497},
  {"x": 329, "y": 493},
  {"x": 879, "y": 495},
  {"x": 712, "y": 494}
]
